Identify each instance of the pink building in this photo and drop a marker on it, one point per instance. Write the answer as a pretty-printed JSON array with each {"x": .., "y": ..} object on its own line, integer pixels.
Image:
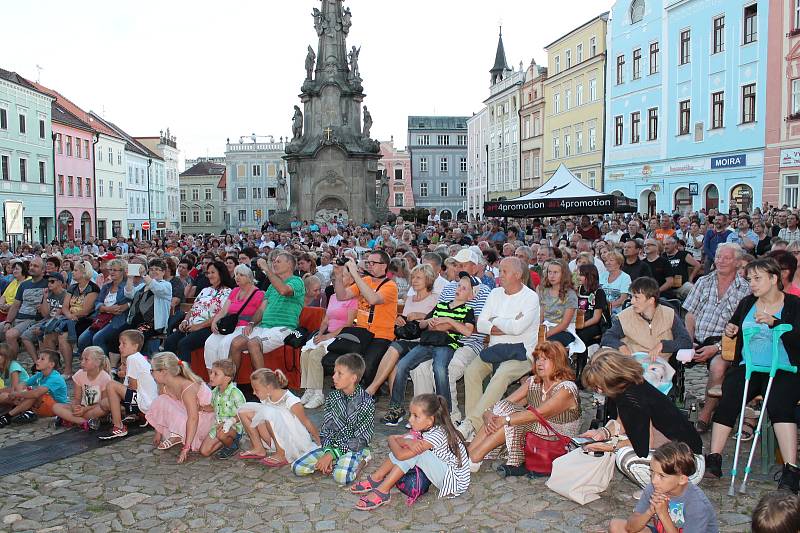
[
  {"x": 782, "y": 154},
  {"x": 397, "y": 164}
]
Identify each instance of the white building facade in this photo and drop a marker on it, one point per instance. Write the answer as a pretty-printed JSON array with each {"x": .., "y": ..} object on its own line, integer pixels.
[
  {"x": 478, "y": 160},
  {"x": 110, "y": 176},
  {"x": 166, "y": 146}
]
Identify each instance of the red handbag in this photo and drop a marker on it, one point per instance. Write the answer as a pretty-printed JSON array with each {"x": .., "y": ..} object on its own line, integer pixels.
[{"x": 541, "y": 450}]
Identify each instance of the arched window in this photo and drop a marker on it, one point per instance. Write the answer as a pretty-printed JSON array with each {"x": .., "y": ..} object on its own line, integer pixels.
[{"x": 637, "y": 11}]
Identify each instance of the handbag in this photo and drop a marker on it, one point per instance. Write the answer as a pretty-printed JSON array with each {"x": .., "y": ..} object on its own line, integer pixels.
[
  {"x": 409, "y": 331},
  {"x": 101, "y": 321},
  {"x": 581, "y": 476},
  {"x": 297, "y": 338},
  {"x": 354, "y": 339},
  {"x": 541, "y": 450},
  {"x": 227, "y": 324}
]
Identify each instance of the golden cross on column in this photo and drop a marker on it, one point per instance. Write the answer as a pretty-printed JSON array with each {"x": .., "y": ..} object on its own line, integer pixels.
[{"x": 328, "y": 132}]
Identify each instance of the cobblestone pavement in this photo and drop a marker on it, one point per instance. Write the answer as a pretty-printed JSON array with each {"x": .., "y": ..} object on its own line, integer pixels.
[{"x": 129, "y": 486}]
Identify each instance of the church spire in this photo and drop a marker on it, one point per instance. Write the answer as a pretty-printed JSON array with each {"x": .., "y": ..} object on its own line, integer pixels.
[{"x": 500, "y": 64}]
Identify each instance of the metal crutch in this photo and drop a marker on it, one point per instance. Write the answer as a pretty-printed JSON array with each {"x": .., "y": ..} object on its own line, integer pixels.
[{"x": 751, "y": 367}]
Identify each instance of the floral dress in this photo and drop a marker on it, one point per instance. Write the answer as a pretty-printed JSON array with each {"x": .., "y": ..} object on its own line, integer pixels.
[
  {"x": 207, "y": 304},
  {"x": 567, "y": 423}
]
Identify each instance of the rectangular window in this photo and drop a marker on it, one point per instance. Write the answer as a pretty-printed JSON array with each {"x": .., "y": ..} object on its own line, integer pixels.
[
  {"x": 423, "y": 189},
  {"x": 195, "y": 217},
  {"x": 556, "y": 103},
  {"x": 398, "y": 199},
  {"x": 463, "y": 188},
  {"x": 241, "y": 193},
  {"x": 110, "y": 156},
  {"x": 271, "y": 192},
  {"x": 398, "y": 174},
  {"x": 41, "y": 128},
  {"x": 443, "y": 189},
  {"x": 593, "y": 179},
  {"x": 59, "y": 144},
  {"x": 423, "y": 140},
  {"x": 60, "y": 185},
  {"x": 579, "y": 95},
  {"x": 86, "y": 149},
  {"x": 567, "y": 145},
  {"x": 209, "y": 216},
  {"x": 241, "y": 171},
  {"x": 593, "y": 90},
  {"x": 99, "y": 186},
  {"x": 88, "y": 187},
  {"x": 443, "y": 140},
  {"x": 556, "y": 147},
  {"x": 593, "y": 47},
  {"x": 637, "y": 64},
  {"x": 652, "y": 124},
  {"x": 242, "y": 215},
  {"x": 558, "y": 64},
  {"x": 42, "y": 171},
  {"x": 749, "y": 103},
  {"x": 195, "y": 195},
  {"x": 443, "y": 164},
  {"x": 796, "y": 15},
  {"x": 620, "y": 69},
  {"x": 70, "y": 186},
  {"x": 796, "y": 95},
  {"x": 751, "y": 24},
  {"x": 461, "y": 140},
  {"x": 183, "y": 195},
  {"x": 619, "y": 130},
  {"x": 653, "y": 58},
  {"x": 463, "y": 164},
  {"x": 685, "y": 47},
  {"x": 536, "y": 167},
  {"x": 579, "y": 54},
  {"x": 79, "y": 185},
  {"x": 78, "y": 148},
  {"x": 717, "y": 110},
  {"x": 719, "y": 35},
  {"x": 791, "y": 188},
  {"x": 3, "y": 118},
  {"x": 69, "y": 145},
  {"x": 4, "y": 168},
  {"x": 256, "y": 171},
  {"x": 208, "y": 194},
  {"x": 23, "y": 169},
  {"x": 256, "y": 193},
  {"x": 119, "y": 157},
  {"x": 423, "y": 164},
  {"x": 567, "y": 99},
  {"x": 592, "y": 139},
  {"x": 111, "y": 189},
  {"x": 578, "y": 142},
  {"x": 567, "y": 59},
  {"x": 22, "y": 125},
  {"x": 183, "y": 217},
  {"x": 684, "y": 117},
  {"x": 636, "y": 121}
]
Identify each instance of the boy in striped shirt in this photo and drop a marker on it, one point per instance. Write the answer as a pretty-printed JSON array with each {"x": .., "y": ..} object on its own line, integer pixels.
[{"x": 441, "y": 336}]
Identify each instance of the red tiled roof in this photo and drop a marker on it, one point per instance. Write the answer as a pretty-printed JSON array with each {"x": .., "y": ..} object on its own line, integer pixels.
[
  {"x": 70, "y": 106},
  {"x": 223, "y": 181}
]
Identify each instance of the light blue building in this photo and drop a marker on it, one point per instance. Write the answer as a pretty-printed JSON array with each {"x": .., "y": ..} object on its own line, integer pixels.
[
  {"x": 26, "y": 156},
  {"x": 685, "y": 105}
]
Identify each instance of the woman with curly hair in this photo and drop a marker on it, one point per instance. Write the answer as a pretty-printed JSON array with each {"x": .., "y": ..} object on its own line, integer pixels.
[{"x": 558, "y": 301}]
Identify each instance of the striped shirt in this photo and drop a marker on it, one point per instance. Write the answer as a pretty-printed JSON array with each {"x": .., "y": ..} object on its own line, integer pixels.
[
  {"x": 462, "y": 313},
  {"x": 284, "y": 310},
  {"x": 712, "y": 313},
  {"x": 474, "y": 341},
  {"x": 349, "y": 421},
  {"x": 456, "y": 480}
]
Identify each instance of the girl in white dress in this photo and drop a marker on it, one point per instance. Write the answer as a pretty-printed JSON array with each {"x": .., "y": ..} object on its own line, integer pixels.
[{"x": 279, "y": 422}]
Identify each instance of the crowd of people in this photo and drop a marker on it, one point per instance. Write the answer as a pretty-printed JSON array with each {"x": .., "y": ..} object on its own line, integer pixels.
[{"x": 593, "y": 302}]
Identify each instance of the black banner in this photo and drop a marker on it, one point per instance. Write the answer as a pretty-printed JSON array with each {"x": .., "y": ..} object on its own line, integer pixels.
[{"x": 596, "y": 205}]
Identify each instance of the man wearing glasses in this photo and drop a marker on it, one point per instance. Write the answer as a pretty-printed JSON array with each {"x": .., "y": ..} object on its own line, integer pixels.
[
  {"x": 377, "y": 305},
  {"x": 50, "y": 309}
]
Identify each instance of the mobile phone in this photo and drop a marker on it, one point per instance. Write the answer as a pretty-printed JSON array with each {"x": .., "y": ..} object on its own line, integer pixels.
[
  {"x": 582, "y": 441},
  {"x": 134, "y": 270}
]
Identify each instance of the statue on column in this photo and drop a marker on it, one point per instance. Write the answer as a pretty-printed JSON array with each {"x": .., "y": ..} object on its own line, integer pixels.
[
  {"x": 353, "y": 56},
  {"x": 346, "y": 20},
  {"x": 384, "y": 191},
  {"x": 311, "y": 58},
  {"x": 319, "y": 21},
  {"x": 280, "y": 192},
  {"x": 297, "y": 124},
  {"x": 367, "y": 123}
]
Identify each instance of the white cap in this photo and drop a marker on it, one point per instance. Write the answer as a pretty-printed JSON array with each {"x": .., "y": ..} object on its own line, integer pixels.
[{"x": 465, "y": 255}]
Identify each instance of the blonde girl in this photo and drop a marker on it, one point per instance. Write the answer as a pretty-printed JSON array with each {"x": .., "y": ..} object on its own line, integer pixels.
[
  {"x": 90, "y": 381},
  {"x": 176, "y": 414},
  {"x": 278, "y": 422}
]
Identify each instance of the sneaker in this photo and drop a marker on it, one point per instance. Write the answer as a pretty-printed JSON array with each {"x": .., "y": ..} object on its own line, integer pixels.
[
  {"x": 713, "y": 465},
  {"x": 790, "y": 478},
  {"x": 93, "y": 424},
  {"x": 130, "y": 418},
  {"x": 115, "y": 433},
  {"x": 24, "y": 418},
  {"x": 306, "y": 396},
  {"x": 455, "y": 416},
  {"x": 317, "y": 400},
  {"x": 466, "y": 429},
  {"x": 394, "y": 416}
]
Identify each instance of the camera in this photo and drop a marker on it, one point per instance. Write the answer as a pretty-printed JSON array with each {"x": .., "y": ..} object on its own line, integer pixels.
[{"x": 342, "y": 261}]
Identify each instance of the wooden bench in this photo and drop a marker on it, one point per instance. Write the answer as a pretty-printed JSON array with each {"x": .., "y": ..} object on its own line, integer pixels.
[{"x": 285, "y": 358}]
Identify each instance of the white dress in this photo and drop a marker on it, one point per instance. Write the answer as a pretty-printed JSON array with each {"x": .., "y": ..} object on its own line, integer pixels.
[{"x": 291, "y": 434}]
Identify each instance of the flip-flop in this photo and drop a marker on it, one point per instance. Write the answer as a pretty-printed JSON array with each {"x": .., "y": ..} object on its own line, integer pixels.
[
  {"x": 272, "y": 462},
  {"x": 372, "y": 501},
  {"x": 166, "y": 444},
  {"x": 250, "y": 455}
]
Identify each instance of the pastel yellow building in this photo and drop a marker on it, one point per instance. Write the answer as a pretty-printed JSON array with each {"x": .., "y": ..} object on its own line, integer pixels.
[{"x": 574, "y": 95}]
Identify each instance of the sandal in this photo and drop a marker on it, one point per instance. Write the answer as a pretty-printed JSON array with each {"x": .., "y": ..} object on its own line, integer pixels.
[
  {"x": 250, "y": 454},
  {"x": 365, "y": 486},
  {"x": 272, "y": 462},
  {"x": 169, "y": 443},
  {"x": 373, "y": 500},
  {"x": 748, "y": 430},
  {"x": 26, "y": 417}
]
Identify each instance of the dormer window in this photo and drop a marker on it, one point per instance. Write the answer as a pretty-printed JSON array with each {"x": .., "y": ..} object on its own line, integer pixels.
[{"x": 637, "y": 11}]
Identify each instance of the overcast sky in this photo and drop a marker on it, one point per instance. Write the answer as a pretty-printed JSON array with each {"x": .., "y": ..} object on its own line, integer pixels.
[{"x": 211, "y": 70}]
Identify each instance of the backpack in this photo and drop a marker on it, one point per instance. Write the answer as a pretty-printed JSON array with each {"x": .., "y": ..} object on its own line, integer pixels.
[{"x": 414, "y": 483}]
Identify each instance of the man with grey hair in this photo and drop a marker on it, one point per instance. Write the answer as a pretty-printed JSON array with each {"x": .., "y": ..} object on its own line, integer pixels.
[
  {"x": 709, "y": 307},
  {"x": 511, "y": 319}
]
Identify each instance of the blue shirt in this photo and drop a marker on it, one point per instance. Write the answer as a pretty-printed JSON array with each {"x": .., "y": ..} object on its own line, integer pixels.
[
  {"x": 714, "y": 239},
  {"x": 54, "y": 382},
  {"x": 761, "y": 344},
  {"x": 750, "y": 235},
  {"x": 15, "y": 367}
]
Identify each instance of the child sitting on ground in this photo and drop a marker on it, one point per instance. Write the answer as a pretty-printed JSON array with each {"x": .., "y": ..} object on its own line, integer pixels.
[
  {"x": 279, "y": 421},
  {"x": 347, "y": 427},
  {"x": 670, "y": 501},
  {"x": 89, "y": 382},
  {"x": 12, "y": 374},
  {"x": 38, "y": 394},
  {"x": 176, "y": 414},
  {"x": 136, "y": 392},
  {"x": 777, "y": 512},
  {"x": 226, "y": 399},
  {"x": 440, "y": 454}
]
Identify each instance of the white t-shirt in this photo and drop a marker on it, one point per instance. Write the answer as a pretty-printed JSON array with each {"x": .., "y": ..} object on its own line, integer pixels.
[
  {"x": 138, "y": 368},
  {"x": 517, "y": 315},
  {"x": 613, "y": 236}
]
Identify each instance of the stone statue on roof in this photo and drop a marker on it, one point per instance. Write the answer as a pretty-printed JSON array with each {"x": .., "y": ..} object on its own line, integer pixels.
[
  {"x": 297, "y": 123},
  {"x": 311, "y": 58},
  {"x": 281, "y": 192},
  {"x": 367, "y": 123},
  {"x": 353, "y": 56},
  {"x": 346, "y": 20},
  {"x": 320, "y": 21}
]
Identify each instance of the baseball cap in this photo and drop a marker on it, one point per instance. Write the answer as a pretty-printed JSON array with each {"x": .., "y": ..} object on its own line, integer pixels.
[
  {"x": 56, "y": 275},
  {"x": 465, "y": 255},
  {"x": 473, "y": 280}
]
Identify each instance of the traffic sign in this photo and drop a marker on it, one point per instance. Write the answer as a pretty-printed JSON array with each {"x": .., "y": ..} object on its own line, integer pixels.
[{"x": 146, "y": 225}]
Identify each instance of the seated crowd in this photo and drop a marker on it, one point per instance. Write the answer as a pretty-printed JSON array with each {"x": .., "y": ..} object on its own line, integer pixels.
[{"x": 525, "y": 315}]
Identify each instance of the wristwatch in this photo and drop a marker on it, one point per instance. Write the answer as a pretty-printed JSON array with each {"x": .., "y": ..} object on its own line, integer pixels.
[
  {"x": 719, "y": 346},
  {"x": 508, "y": 420}
]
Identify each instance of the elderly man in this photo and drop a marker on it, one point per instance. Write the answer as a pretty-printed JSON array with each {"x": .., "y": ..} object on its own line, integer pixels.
[
  {"x": 710, "y": 306},
  {"x": 683, "y": 228},
  {"x": 422, "y": 376},
  {"x": 511, "y": 319},
  {"x": 615, "y": 234},
  {"x": 284, "y": 301},
  {"x": 633, "y": 232},
  {"x": 791, "y": 232},
  {"x": 584, "y": 245}
]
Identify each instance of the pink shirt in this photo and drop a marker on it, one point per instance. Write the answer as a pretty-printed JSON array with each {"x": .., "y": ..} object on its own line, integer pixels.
[
  {"x": 338, "y": 311},
  {"x": 90, "y": 389},
  {"x": 252, "y": 306},
  {"x": 792, "y": 289}
]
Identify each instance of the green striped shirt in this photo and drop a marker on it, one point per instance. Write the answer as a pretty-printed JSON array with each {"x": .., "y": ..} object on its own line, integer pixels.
[
  {"x": 462, "y": 313},
  {"x": 284, "y": 311}
]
